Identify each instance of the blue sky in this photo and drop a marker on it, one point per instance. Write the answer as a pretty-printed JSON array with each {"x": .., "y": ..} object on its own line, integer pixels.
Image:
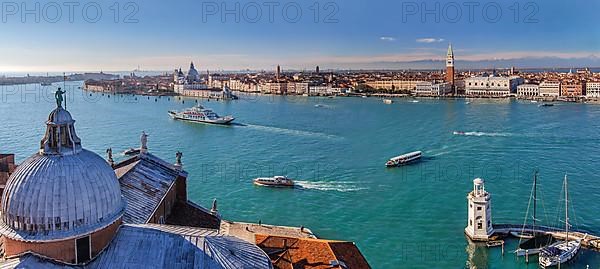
[{"x": 162, "y": 35}]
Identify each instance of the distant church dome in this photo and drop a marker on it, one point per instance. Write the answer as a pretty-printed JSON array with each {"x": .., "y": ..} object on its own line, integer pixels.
[
  {"x": 61, "y": 192},
  {"x": 193, "y": 75}
]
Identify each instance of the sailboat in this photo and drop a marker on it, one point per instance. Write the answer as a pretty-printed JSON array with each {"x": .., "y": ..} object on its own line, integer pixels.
[
  {"x": 534, "y": 241},
  {"x": 563, "y": 251}
]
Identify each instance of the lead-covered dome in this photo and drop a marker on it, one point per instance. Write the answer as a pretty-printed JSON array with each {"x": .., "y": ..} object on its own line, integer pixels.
[{"x": 62, "y": 191}]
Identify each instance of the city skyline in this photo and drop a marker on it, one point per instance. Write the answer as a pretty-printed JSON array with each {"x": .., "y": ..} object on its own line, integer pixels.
[{"x": 342, "y": 35}]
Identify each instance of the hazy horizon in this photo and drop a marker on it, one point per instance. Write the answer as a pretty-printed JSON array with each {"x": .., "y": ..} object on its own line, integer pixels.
[{"x": 257, "y": 35}]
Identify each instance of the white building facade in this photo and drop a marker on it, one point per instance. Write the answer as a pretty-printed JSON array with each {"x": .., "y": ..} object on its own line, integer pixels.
[
  {"x": 528, "y": 90},
  {"x": 550, "y": 88},
  {"x": 429, "y": 88},
  {"x": 592, "y": 89},
  {"x": 492, "y": 86}
]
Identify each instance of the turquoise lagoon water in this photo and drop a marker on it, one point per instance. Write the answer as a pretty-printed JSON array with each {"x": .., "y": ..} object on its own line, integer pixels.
[{"x": 409, "y": 217}]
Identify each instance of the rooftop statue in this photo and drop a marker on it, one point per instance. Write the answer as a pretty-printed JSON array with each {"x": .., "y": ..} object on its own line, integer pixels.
[{"x": 59, "y": 97}]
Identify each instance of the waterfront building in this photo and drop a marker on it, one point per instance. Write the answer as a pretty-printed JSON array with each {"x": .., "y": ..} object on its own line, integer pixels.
[
  {"x": 433, "y": 89},
  {"x": 450, "y": 65},
  {"x": 492, "y": 86},
  {"x": 394, "y": 84},
  {"x": 324, "y": 90},
  {"x": 479, "y": 222},
  {"x": 572, "y": 89},
  {"x": 298, "y": 88},
  {"x": 202, "y": 91},
  {"x": 550, "y": 88},
  {"x": 592, "y": 89},
  {"x": 528, "y": 90},
  {"x": 273, "y": 87},
  {"x": 317, "y": 69}
]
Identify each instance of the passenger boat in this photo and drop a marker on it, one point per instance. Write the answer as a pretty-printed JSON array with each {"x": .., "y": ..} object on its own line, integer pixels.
[
  {"x": 404, "y": 159},
  {"x": 276, "y": 181},
  {"x": 388, "y": 101},
  {"x": 202, "y": 115},
  {"x": 562, "y": 251},
  {"x": 534, "y": 241}
]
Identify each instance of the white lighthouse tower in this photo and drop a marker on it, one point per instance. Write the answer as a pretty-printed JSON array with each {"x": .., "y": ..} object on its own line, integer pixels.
[{"x": 479, "y": 225}]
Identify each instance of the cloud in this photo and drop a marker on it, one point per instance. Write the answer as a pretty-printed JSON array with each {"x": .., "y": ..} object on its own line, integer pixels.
[
  {"x": 387, "y": 38},
  {"x": 430, "y": 40}
]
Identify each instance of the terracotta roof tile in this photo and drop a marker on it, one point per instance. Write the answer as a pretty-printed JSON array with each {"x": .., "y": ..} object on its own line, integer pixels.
[{"x": 292, "y": 253}]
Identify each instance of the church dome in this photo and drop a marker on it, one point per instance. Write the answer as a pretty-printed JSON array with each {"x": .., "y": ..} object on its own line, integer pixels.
[
  {"x": 60, "y": 116},
  {"x": 63, "y": 191}
]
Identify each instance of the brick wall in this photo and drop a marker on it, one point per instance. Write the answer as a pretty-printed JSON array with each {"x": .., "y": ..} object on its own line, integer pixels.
[{"x": 63, "y": 251}]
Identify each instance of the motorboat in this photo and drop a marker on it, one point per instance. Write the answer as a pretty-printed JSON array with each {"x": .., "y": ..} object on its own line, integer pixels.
[
  {"x": 201, "y": 115},
  {"x": 404, "y": 159},
  {"x": 276, "y": 181}
]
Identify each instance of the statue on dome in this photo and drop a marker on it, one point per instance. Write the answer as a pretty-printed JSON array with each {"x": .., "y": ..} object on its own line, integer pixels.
[{"x": 59, "y": 97}]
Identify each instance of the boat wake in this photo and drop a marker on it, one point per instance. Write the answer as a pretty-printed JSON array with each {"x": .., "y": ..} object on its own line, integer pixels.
[
  {"x": 291, "y": 131},
  {"x": 480, "y": 134},
  {"x": 340, "y": 186}
]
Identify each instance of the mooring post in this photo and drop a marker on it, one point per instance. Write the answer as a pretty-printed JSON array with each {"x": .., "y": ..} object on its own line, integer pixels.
[{"x": 526, "y": 256}]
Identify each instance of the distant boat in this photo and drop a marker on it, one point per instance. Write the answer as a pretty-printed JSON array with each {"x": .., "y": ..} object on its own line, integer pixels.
[
  {"x": 495, "y": 243},
  {"x": 564, "y": 251},
  {"x": 466, "y": 103},
  {"x": 201, "y": 115},
  {"x": 388, "y": 101},
  {"x": 46, "y": 84},
  {"x": 404, "y": 159},
  {"x": 276, "y": 181},
  {"x": 364, "y": 96},
  {"x": 459, "y": 133},
  {"x": 414, "y": 101},
  {"x": 546, "y": 105},
  {"x": 318, "y": 105},
  {"x": 534, "y": 101}
]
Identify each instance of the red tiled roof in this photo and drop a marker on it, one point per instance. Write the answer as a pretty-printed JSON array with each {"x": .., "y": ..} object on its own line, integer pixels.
[{"x": 296, "y": 253}]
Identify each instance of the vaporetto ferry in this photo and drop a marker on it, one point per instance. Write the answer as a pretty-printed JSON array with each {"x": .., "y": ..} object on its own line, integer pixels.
[{"x": 201, "y": 115}]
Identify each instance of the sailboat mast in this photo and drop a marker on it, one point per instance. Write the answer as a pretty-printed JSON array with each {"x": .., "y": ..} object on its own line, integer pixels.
[
  {"x": 566, "y": 210},
  {"x": 534, "y": 198}
]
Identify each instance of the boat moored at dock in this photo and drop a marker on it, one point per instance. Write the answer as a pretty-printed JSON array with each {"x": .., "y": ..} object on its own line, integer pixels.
[
  {"x": 404, "y": 159},
  {"x": 201, "y": 115},
  {"x": 276, "y": 181}
]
